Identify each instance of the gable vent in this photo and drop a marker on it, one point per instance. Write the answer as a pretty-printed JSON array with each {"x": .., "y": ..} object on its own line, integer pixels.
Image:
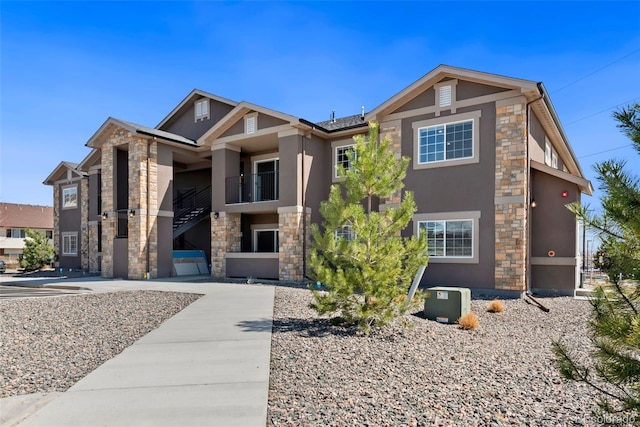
[
  {"x": 251, "y": 124},
  {"x": 445, "y": 96}
]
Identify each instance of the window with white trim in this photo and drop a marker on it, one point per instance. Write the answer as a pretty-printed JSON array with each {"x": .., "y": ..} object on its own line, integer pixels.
[
  {"x": 202, "y": 109},
  {"x": 449, "y": 238},
  {"x": 342, "y": 158},
  {"x": 70, "y": 197},
  {"x": 16, "y": 233},
  {"x": 449, "y": 141},
  {"x": 345, "y": 232},
  {"x": 70, "y": 244}
]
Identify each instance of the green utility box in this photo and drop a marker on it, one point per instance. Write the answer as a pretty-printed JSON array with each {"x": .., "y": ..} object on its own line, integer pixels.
[{"x": 446, "y": 304}]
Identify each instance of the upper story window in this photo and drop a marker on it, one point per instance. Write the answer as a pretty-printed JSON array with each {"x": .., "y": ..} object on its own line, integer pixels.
[
  {"x": 447, "y": 141},
  {"x": 550, "y": 155},
  {"x": 202, "y": 109},
  {"x": 48, "y": 234},
  {"x": 251, "y": 123},
  {"x": 16, "y": 233},
  {"x": 342, "y": 158},
  {"x": 70, "y": 197}
]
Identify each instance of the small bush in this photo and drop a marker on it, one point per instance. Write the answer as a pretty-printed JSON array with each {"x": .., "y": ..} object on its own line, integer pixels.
[
  {"x": 495, "y": 306},
  {"x": 469, "y": 321}
]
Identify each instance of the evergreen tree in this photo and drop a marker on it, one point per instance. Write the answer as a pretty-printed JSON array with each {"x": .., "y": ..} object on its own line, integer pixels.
[
  {"x": 37, "y": 252},
  {"x": 614, "y": 366},
  {"x": 359, "y": 255}
]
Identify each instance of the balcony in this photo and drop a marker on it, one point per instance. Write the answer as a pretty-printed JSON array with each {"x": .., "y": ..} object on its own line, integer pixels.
[{"x": 259, "y": 187}]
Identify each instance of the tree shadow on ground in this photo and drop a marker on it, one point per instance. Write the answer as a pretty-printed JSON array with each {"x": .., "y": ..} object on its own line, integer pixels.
[{"x": 301, "y": 327}]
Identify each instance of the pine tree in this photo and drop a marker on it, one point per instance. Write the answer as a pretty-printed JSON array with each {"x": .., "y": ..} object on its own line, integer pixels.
[
  {"x": 359, "y": 255},
  {"x": 614, "y": 365},
  {"x": 37, "y": 252}
]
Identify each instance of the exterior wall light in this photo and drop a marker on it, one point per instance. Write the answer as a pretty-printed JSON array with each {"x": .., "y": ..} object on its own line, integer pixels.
[
  {"x": 533, "y": 203},
  {"x": 216, "y": 215},
  {"x": 132, "y": 213},
  {"x": 105, "y": 215}
]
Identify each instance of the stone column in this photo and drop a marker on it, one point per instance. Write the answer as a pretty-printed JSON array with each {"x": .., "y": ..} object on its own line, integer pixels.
[
  {"x": 92, "y": 231},
  {"x": 511, "y": 185},
  {"x": 139, "y": 181},
  {"x": 84, "y": 224},
  {"x": 56, "y": 220},
  {"x": 293, "y": 234},
  {"x": 225, "y": 238},
  {"x": 109, "y": 223}
]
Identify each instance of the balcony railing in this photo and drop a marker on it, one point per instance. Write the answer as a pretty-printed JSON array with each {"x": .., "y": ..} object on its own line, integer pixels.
[{"x": 259, "y": 187}]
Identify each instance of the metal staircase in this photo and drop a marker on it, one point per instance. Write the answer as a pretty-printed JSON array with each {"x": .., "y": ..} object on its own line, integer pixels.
[{"x": 190, "y": 209}]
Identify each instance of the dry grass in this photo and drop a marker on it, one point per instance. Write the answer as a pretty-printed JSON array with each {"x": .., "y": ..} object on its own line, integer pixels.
[
  {"x": 469, "y": 321},
  {"x": 495, "y": 306}
]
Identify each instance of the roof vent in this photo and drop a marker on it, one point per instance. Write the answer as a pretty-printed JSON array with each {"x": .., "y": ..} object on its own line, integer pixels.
[
  {"x": 333, "y": 116},
  {"x": 362, "y": 113}
]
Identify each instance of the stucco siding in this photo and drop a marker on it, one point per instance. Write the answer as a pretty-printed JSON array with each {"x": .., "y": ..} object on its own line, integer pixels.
[{"x": 184, "y": 124}]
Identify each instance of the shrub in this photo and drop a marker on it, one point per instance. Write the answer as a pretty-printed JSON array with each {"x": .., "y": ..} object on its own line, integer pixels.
[
  {"x": 495, "y": 306},
  {"x": 469, "y": 321}
]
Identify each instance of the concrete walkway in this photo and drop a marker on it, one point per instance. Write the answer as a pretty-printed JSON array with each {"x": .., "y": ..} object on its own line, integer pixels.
[{"x": 207, "y": 365}]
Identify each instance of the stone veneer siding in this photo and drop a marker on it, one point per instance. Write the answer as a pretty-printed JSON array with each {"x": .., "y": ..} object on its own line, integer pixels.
[
  {"x": 139, "y": 237},
  {"x": 510, "y": 197},
  {"x": 94, "y": 255},
  {"x": 292, "y": 241},
  {"x": 56, "y": 219},
  {"x": 225, "y": 238},
  {"x": 84, "y": 224}
]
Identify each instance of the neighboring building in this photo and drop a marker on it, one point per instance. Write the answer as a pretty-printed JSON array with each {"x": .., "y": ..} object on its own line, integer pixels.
[
  {"x": 14, "y": 220},
  {"x": 243, "y": 183}
]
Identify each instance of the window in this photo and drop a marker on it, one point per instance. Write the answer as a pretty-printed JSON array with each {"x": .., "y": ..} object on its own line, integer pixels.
[
  {"x": 449, "y": 238},
  {"x": 202, "y": 109},
  {"x": 265, "y": 240},
  {"x": 342, "y": 157},
  {"x": 345, "y": 232},
  {"x": 452, "y": 237},
  {"x": 48, "y": 234},
  {"x": 550, "y": 155},
  {"x": 446, "y": 142},
  {"x": 251, "y": 123},
  {"x": 16, "y": 233},
  {"x": 70, "y": 197},
  {"x": 70, "y": 244}
]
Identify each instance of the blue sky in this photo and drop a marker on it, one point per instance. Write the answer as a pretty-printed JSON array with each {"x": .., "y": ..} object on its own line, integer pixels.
[{"x": 67, "y": 66}]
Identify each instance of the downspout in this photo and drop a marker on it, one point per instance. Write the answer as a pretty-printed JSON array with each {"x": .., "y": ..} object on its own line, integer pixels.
[
  {"x": 304, "y": 215},
  {"x": 148, "y": 209},
  {"x": 529, "y": 186}
]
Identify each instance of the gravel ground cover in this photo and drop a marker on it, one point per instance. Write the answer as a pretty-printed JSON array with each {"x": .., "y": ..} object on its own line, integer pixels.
[
  {"x": 47, "y": 344},
  {"x": 431, "y": 374}
]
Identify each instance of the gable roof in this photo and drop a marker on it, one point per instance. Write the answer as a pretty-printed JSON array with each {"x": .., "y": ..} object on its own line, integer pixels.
[
  {"x": 444, "y": 71},
  {"x": 60, "y": 172},
  {"x": 26, "y": 216},
  {"x": 237, "y": 113},
  {"x": 92, "y": 158},
  {"x": 195, "y": 93},
  {"x": 95, "y": 141}
]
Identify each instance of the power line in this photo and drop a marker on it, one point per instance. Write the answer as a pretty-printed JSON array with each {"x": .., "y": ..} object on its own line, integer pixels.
[
  {"x": 596, "y": 71},
  {"x": 604, "y": 111},
  {"x": 606, "y": 151}
]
